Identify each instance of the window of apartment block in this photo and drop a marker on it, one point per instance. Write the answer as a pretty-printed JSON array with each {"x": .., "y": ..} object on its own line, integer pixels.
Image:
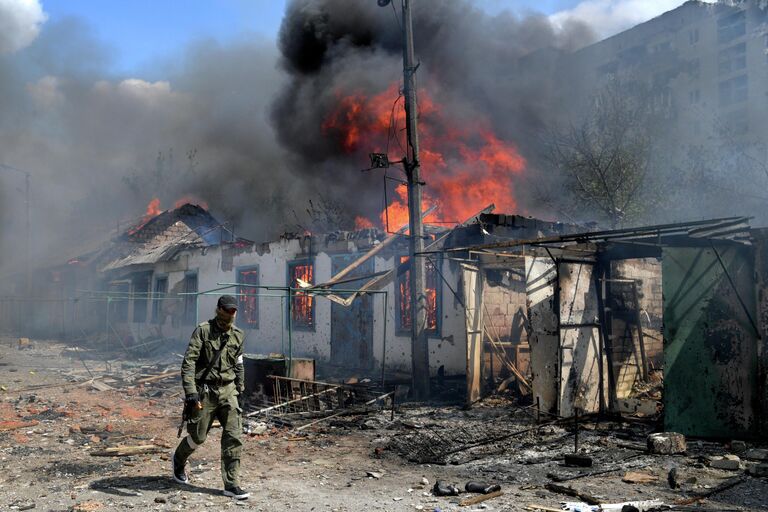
[
  {"x": 735, "y": 90},
  {"x": 403, "y": 296},
  {"x": 731, "y": 27},
  {"x": 248, "y": 314},
  {"x": 190, "y": 301},
  {"x": 159, "y": 293},
  {"x": 302, "y": 305},
  {"x": 733, "y": 58},
  {"x": 694, "y": 96},
  {"x": 693, "y": 36},
  {"x": 141, "y": 296}
]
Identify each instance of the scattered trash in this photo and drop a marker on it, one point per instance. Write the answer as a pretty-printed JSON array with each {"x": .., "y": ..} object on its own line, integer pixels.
[
  {"x": 627, "y": 506},
  {"x": 254, "y": 428},
  {"x": 374, "y": 474}
]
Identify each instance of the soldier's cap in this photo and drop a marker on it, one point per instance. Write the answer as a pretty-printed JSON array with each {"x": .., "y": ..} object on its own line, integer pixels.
[{"x": 227, "y": 302}]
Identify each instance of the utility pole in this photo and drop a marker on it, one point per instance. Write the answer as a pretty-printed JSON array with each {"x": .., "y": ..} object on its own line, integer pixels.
[{"x": 419, "y": 339}]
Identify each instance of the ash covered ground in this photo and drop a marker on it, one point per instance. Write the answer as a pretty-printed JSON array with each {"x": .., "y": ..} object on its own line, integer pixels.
[{"x": 57, "y": 416}]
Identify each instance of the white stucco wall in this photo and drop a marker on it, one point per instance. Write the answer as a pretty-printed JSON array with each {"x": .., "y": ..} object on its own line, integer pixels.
[{"x": 271, "y": 336}]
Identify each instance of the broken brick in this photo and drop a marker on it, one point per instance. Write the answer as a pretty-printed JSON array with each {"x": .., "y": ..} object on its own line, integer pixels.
[{"x": 667, "y": 443}]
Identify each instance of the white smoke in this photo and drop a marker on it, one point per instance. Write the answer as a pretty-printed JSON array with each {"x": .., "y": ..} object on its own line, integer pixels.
[
  {"x": 20, "y": 22},
  {"x": 609, "y": 17}
]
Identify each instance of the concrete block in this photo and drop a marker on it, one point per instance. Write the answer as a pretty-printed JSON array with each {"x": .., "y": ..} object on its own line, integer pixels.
[
  {"x": 666, "y": 443},
  {"x": 728, "y": 462},
  {"x": 758, "y": 470},
  {"x": 738, "y": 447},
  {"x": 757, "y": 454}
]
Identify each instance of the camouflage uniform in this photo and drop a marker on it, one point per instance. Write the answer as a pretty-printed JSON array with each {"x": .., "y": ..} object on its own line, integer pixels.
[{"x": 218, "y": 395}]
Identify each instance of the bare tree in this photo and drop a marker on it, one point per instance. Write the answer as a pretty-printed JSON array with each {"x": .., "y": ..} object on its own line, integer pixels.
[
  {"x": 324, "y": 215},
  {"x": 605, "y": 160}
]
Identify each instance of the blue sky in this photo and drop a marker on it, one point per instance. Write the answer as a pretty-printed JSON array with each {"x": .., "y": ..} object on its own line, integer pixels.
[{"x": 142, "y": 31}]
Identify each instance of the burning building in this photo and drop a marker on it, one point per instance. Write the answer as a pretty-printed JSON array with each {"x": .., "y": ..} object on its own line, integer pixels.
[{"x": 348, "y": 306}]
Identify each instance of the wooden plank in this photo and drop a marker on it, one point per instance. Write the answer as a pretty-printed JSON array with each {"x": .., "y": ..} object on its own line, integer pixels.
[
  {"x": 100, "y": 386},
  {"x": 570, "y": 491},
  {"x": 161, "y": 376},
  {"x": 473, "y": 324},
  {"x": 479, "y": 499},
  {"x": 125, "y": 451},
  {"x": 13, "y": 425}
]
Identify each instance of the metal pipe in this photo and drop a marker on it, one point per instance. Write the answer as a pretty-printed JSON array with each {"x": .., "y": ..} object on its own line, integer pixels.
[
  {"x": 384, "y": 340},
  {"x": 290, "y": 333}
]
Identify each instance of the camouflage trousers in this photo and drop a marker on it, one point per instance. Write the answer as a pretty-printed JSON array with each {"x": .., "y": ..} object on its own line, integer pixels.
[{"x": 218, "y": 404}]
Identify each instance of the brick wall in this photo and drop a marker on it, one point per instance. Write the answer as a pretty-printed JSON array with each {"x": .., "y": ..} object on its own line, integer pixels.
[
  {"x": 626, "y": 350},
  {"x": 504, "y": 315}
]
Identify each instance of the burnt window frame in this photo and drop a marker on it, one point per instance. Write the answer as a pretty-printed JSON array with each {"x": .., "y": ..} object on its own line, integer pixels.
[
  {"x": 242, "y": 291},
  {"x": 189, "y": 315},
  {"x": 311, "y": 326},
  {"x": 403, "y": 330},
  {"x": 140, "y": 300},
  {"x": 119, "y": 305},
  {"x": 157, "y": 298}
]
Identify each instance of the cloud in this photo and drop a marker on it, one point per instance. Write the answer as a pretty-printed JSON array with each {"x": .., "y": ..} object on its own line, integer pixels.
[
  {"x": 608, "y": 17},
  {"x": 20, "y": 22}
]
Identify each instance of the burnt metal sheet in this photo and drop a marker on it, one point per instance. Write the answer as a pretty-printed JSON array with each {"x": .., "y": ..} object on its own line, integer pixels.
[
  {"x": 580, "y": 352},
  {"x": 710, "y": 345},
  {"x": 540, "y": 285},
  {"x": 352, "y": 326}
]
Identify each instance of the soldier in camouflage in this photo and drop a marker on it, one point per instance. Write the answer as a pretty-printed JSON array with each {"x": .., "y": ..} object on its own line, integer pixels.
[{"x": 213, "y": 393}]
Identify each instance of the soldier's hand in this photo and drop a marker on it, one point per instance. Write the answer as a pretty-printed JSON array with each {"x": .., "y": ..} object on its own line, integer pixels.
[{"x": 191, "y": 400}]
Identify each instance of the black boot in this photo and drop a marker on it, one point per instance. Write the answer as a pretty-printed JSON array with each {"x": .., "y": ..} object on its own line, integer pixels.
[
  {"x": 443, "y": 489},
  {"x": 179, "y": 474},
  {"x": 481, "y": 487}
]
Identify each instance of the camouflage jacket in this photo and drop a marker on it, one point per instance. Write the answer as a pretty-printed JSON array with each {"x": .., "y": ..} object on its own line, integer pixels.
[{"x": 203, "y": 345}]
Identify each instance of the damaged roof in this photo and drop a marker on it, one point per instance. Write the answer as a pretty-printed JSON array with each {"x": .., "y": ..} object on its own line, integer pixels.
[{"x": 161, "y": 237}]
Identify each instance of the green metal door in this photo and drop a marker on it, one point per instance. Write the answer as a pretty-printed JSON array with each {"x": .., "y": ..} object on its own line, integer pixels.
[{"x": 710, "y": 342}]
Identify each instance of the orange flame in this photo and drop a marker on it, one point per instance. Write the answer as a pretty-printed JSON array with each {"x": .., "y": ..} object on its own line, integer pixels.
[
  {"x": 465, "y": 164},
  {"x": 362, "y": 223},
  {"x": 153, "y": 209}
]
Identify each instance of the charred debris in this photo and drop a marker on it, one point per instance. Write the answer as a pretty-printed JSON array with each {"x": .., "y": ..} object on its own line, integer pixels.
[{"x": 559, "y": 355}]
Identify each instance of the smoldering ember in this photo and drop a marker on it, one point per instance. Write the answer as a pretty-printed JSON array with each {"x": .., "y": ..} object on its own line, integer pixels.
[{"x": 421, "y": 255}]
